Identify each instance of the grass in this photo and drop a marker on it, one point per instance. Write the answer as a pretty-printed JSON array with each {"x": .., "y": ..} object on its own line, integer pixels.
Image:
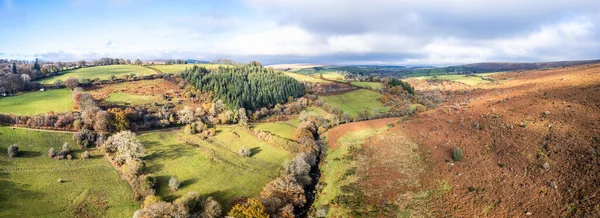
[
  {"x": 102, "y": 72},
  {"x": 121, "y": 98},
  {"x": 178, "y": 68},
  {"x": 332, "y": 76},
  {"x": 31, "y": 103},
  {"x": 29, "y": 181},
  {"x": 356, "y": 101},
  {"x": 468, "y": 80},
  {"x": 286, "y": 129},
  {"x": 372, "y": 85},
  {"x": 336, "y": 167},
  {"x": 304, "y": 78},
  {"x": 212, "y": 168}
]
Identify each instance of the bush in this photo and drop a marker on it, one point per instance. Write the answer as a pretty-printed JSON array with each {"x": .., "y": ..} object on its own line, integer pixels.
[
  {"x": 252, "y": 208},
  {"x": 51, "y": 153},
  {"x": 190, "y": 202},
  {"x": 245, "y": 151},
  {"x": 85, "y": 155},
  {"x": 151, "y": 199},
  {"x": 457, "y": 155},
  {"x": 212, "y": 208},
  {"x": 13, "y": 150},
  {"x": 173, "y": 184}
]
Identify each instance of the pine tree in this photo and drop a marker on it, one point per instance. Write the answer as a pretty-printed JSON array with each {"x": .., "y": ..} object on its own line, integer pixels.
[
  {"x": 14, "y": 68},
  {"x": 36, "y": 65}
]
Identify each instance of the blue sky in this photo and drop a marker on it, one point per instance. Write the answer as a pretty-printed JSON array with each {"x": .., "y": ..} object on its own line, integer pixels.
[{"x": 399, "y": 32}]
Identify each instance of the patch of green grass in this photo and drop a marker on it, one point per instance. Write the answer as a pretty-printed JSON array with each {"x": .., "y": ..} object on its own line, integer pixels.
[
  {"x": 212, "y": 167},
  {"x": 339, "y": 76},
  {"x": 286, "y": 129},
  {"x": 356, "y": 101},
  {"x": 304, "y": 78},
  {"x": 358, "y": 137},
  {"x": 102, "y": 72},
  {"x": 30, "y": 103},
  {"x": 29, "y": 181},
  {"x": 178, "y": 68},
  {"x": 121, "y": 98},
  {"x": 372, "y": 85},
  {"x": 466, "y": 79}
]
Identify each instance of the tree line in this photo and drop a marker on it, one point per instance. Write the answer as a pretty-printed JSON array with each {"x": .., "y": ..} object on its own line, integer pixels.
[{"x": 250, "y": 86}]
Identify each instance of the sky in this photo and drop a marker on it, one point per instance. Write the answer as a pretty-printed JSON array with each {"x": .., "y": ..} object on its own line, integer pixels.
[{"x": 380, "y": 32}]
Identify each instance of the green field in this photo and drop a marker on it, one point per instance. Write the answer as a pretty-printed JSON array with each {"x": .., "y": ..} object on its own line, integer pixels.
[
  {"x": 332, "y": 76},
  {"x": 371, "y": 85},
  {"x": 121, "y": 98},
  {"x": 356, "y": 101},
  {"x": 212, "y": 168},
  {"x": 335, "y": 168},
  {"x": 31, "y": 103},
  {"x": 29, "y": 181},
  {"x": 286, "y": 129},
  {"x": 102, "y": 72},
  {"x": 304, "y": 78},
  {"x": 468, "y": 80},
  {"x": 178, "y": 68}
]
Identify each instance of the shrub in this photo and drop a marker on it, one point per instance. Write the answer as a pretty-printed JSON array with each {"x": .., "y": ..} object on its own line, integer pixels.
[
  {"x": 51, "y": 153},
  {"x": 72, "y": 83},
  {"x": 125, "y": 147},
  {"x": 173, "y": 184},
  {"x": 212, "y": 208},
  {"x": 245, "y": 151},
  {"x": 252, "y": 208},
  {"x": 59, "y": 180},
  {"x": 85, "y": 155},
  {"x": 65, "y": 148},
  {"x": 69, "y": 157},
  {"x": 190, "y": 202},
  {"x": 13, "y": 150},
  {"x": 457, "y": 155},
  {"x": 151, "y": 199}
]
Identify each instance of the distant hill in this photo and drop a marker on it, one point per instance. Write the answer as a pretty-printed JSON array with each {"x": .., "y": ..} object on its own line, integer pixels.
[{"x": 512, "y": 66}]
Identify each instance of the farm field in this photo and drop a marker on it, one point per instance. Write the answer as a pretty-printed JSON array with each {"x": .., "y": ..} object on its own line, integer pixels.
[
  {"x": 178, "y": 68},
  {"x": 356, "y": 101},
  {"x": 343, "y": 141},
  {"x": 120, "y": 98},
  {"x": 468, "y": 80},
  {"x": 286, "y": 129},
  {"x": 332, "y": 76},
  {"x": 102, "y": 72},
  {"x": 371, "y": 85},
  {"x": 305, "y": 78},
  {"x": 31, "y": 103},
  {"x": 211, "y": 168},
  {"x": 91, "y": 188}
]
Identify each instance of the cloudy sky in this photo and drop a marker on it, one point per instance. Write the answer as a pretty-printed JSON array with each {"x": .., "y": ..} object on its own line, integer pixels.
[{"x": 394, "y": 32}]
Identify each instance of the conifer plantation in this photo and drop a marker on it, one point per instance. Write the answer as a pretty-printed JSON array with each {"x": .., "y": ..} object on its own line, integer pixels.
[{"x": 250, "y": 86}]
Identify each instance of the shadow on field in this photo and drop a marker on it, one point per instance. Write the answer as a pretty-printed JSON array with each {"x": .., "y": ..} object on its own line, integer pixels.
[
  {"x": 29, "y": 154},
  {"x": 255, "y": 151},
  {"x": 11, "y": 190},
  {"x": 188, "y": 182}
]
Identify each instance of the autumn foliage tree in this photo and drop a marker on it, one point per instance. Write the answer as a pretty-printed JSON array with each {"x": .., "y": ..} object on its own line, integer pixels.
[{"x": 252, "y": 208}]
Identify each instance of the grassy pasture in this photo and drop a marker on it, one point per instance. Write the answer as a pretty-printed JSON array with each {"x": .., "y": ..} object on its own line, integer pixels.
[
  {"x": 336, "y": 164},
  {"x": 121, "y": 98},
  {"x": 332, "y": 75},
  {"x": 212, "y": 168},
  {"x": 304, "y": 78},
  {"x": 356, "y": 101},
  {"x": 372, "y": 85},
  {"x": 178, "y": 68},
  {"x": 102, "y": 72},
  {"x": 286, "y": 129},
  {"x": 29, "y": 181},
  {"x": 58, "y": 100},
  {"x": 468, "y": 80}
]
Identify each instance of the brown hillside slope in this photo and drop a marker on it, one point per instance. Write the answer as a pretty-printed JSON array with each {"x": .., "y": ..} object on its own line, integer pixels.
[{"x": 531, "y": 145}]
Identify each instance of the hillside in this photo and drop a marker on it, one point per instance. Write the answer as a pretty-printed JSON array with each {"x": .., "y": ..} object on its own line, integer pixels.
[{"x": 530, "y": 145}]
